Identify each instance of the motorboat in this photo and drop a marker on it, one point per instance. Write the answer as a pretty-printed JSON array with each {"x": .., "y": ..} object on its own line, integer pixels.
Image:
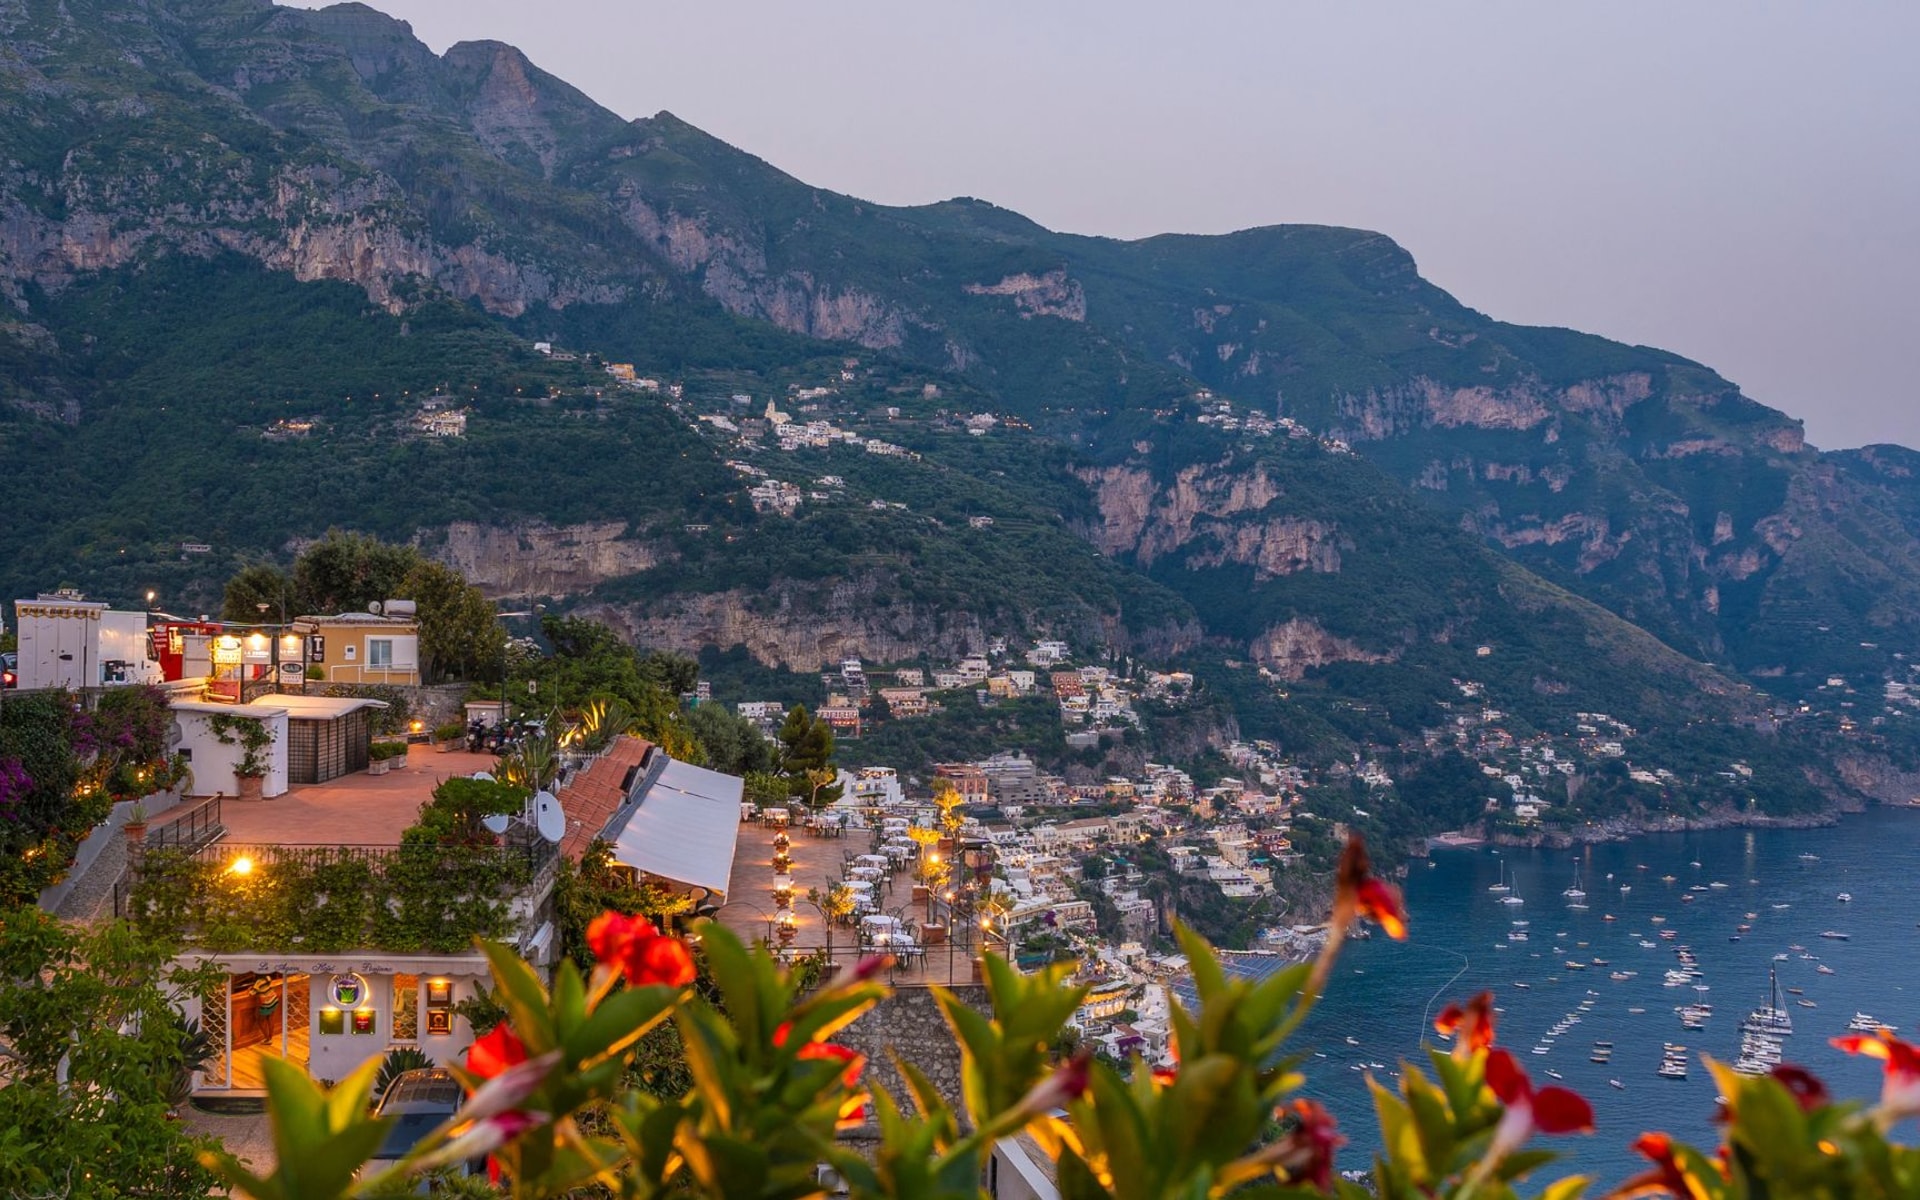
[
  {"x": 1824, "y": 969},
  {"x": 1845, "y": 897},
  {"x": 1866, "y": 1023},
  {"x": 1835, "y": 935}
]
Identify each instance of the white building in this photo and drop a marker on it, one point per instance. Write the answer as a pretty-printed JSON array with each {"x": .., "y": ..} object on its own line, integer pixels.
[{"x": 70, "y": 642}]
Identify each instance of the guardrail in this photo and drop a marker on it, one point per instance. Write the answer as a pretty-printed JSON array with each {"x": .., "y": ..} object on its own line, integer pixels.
[{"x": 190, "y": 827}]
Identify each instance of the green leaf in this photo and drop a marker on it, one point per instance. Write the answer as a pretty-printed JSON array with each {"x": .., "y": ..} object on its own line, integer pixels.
[{"x": 524, "y": 997}]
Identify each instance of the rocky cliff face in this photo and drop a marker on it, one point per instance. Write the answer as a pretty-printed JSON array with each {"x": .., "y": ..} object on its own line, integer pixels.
[
  {"x": 537, "y": 559},
  {"x": 1292, "y": 648},
  {"x": 1215, "y": 513},
  {"x": 806, "y": 627}
]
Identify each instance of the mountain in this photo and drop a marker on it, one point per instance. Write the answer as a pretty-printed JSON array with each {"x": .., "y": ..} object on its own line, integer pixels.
[{"x": 244, "y": 248}]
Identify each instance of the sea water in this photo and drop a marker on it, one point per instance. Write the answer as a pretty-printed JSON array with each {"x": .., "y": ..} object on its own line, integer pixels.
[{"x": 1384, "y": 994}]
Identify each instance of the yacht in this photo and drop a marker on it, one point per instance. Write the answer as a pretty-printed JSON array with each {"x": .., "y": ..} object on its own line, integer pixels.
[
  {"x": 1510, "y": 899},
  {"x": 1809, "y": 858},
  {"x": 1625, "y": 888},
  {"x": 1553, "y": 1074},
  {"x": 1845, "y": 897},
  {"x": 1615, "y": 1083},
  {"x": 1502, "y": 885},
  {"x": 1772, "y": 1017},
  {"x": 1824, "y": 969},
  {"x": 1835, "y": 935},
  {"x": 1803, "y": 1002},
  {"x": 1645, "y": 944},
  {"x": 1666, "y": 879},
  {"x": 1864, "y": 1023},
  {"x": 1574, "y": 892},
  {"x": 1716, "y": 884}
]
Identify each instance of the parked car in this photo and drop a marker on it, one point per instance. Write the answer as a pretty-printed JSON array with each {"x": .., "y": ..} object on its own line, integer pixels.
[
  {"x": 419, "y": 1100},
  {"x": 9, "y": 669}
]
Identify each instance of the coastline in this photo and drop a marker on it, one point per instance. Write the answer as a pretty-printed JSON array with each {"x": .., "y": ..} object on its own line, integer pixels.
[{"x": 1627, "y": 828}]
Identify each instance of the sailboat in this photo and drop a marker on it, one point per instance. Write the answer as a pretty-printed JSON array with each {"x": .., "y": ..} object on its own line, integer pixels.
[
  {"x": 1771, "y": 1018},
  {"x": 1502, "y": 885},
  {"x": 1574, "y": 892}
]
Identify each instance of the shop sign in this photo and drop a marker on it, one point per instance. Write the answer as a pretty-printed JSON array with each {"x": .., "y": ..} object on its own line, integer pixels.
[{"x": 347, "y": 991}]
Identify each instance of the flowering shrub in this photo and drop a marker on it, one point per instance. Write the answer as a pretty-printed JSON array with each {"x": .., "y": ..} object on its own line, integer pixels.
[{"x": 771, "y": 1089}]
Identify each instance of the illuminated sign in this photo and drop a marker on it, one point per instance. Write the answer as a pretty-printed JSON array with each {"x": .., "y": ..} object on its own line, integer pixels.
[{"x": 348, "y": 991}]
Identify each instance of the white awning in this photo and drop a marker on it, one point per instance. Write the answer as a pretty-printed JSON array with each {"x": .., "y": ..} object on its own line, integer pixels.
[{"x": 683, "y": 827}]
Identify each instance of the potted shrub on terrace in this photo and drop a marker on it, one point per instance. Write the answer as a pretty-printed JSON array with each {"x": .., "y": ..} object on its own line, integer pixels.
[
  {"x": 381, "y": 756},
  {"x": 451, "y": 736},
  {"x": 255, "y": 740}
]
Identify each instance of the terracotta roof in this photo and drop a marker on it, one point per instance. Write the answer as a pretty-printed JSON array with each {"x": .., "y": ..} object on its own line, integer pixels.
[{"x": 592, "y": 797}]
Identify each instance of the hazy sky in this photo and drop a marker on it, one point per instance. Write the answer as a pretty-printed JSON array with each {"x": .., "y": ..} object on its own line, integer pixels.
[{"x": 1735, "y": 181}]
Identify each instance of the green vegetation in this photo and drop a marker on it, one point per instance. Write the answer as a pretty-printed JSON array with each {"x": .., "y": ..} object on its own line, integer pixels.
[{"x": 96, "y": 1059}]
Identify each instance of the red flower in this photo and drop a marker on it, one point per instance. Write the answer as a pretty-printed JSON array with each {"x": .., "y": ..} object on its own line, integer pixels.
[
  {"x": 1359, "y": 894},
  {"x": 1306, "y": 1152},
  {"x": 1550, "y": 1110},
  {"x": 1667, "y": 1178},
  {"x": 493, "y": 1053},
  {"x": 1900, "y": 1084},
  {"x": 1802, "y": 1084},
  {"x": 1165, "y": 1076},
  {"x": 640, "y": 952},
  {"x": 855, "y": 1061},
  {"x": 1067, "y": 1084},
  {"x": 1472, "y": 1023}
]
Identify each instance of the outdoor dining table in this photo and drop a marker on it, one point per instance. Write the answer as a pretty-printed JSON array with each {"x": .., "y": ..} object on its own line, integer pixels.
[
  {"x": 776, "y": 816},
  {"x": 868, "y": 873},
  {"x": 859, "y": 885},
  {"x": 878, "y": 860}
]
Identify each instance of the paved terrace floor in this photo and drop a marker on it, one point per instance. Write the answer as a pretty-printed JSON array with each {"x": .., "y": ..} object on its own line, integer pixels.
[
  {"x": 818, "y": 863},
  {"x": 353, "y": 810}
]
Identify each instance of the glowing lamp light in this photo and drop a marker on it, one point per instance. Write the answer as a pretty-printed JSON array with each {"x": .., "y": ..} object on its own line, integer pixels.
[
  {"x": 241, "y": 866},
  {"x": 416, "y": 725}
]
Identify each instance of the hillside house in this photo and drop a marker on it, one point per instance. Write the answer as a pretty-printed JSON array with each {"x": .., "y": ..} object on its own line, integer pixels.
[{"x": 382, "y": 648}]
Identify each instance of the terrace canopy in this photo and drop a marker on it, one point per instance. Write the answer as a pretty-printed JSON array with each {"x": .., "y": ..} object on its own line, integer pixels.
[{"x": 680, "y": 826}]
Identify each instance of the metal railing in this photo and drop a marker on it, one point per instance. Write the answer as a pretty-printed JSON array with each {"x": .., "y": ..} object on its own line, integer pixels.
[{"x": 186, "y": 828}]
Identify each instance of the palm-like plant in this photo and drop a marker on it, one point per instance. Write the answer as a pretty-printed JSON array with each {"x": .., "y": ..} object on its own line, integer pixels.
[
  {"x": 834, "y": 905},
  {"x": 603, "y": 719}
]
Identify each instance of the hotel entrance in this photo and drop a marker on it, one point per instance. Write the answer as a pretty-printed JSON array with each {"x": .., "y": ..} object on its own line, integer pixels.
[{"x": 255, "y": 1016}]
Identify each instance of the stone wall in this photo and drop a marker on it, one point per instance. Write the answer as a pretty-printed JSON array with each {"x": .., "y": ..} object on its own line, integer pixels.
[{"x": 908, "y": 1023}]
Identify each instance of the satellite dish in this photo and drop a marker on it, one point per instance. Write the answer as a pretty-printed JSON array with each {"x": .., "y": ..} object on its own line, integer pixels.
[
  {"x": 374, "y": 607},
  {"x": 496, "y": 823},
  {"x": 547, "y": 817}
]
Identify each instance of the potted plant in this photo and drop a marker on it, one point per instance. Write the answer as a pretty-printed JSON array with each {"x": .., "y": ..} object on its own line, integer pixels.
[
  {"x": 254, "y": 739},
  {"x": 136, "y": 826},
  {"x": 381, "y": 756},
  {"x": 451, "y": 736}
]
